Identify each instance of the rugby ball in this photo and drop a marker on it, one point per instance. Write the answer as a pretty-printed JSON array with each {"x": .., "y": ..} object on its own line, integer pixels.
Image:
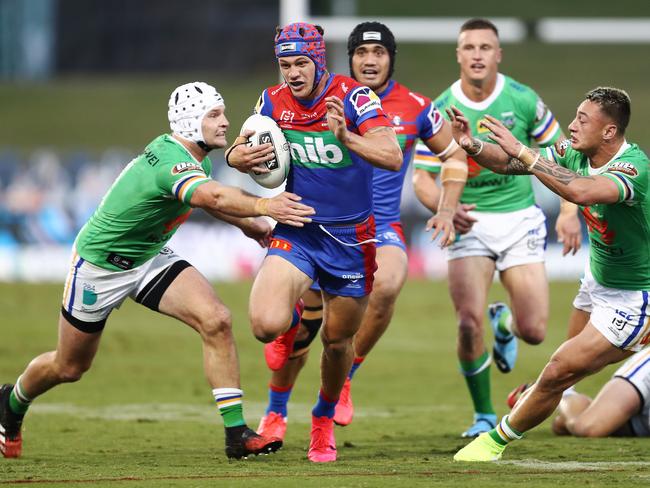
[{"x": 267, "y": 131}]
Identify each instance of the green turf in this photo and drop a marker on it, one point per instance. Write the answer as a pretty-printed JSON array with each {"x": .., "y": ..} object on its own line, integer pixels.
[{"x": 143, "y": 415}]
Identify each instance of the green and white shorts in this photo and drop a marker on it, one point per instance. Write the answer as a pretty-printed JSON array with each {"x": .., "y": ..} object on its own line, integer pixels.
[
  {"x": 620, "y": 315},
  {"x": 91, "y": 293}
]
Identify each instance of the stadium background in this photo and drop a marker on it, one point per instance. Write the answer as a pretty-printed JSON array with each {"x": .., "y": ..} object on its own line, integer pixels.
[{"x": 84, "y": 85}]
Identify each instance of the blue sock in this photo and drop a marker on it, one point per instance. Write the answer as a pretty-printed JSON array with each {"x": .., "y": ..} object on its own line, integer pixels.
[
  {"x": 325, "y": 406},
  {"x": 278, "y": 399},
  {"x": 295, "y": 318},
  {"x": 355, "y": 365}
]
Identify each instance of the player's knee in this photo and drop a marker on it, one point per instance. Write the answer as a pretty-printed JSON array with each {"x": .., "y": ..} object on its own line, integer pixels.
[
  {"x": 556, "y": 376},
  {"x": 532, "y": 332},
  {"x": 71, "y": 372},
  {"x": 265, "y": 327},
  {"x": 585, "y": 428},
  {"x": 383, "y": 298},
  {"x": 535, "y": 336},
  {"x": 470, "y": 327},
  {"x": 215, "y": 323},
  {"x": 336, "y": 344}
]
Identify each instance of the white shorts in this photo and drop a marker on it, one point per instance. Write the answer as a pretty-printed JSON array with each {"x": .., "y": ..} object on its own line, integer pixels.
[
  {"x": 620, "y": 315},
  {"x": 509, "y": 238},
  {"x": 636, "y": 370},
  {"x": 91, "y": 293}
]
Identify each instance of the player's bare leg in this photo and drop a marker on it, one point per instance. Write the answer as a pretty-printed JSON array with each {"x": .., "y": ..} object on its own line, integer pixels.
[
  {"x": 342, "y": 318},
  {"x": 606, "y": 415},
  {"x": 469, "y": 281},
  {"x": 392, "y": 268},
  {"x": 72, "y": 358},
  {"x": 191, "y": 299},
  {"x": 527, "y": 287},
  {"x": 277, "y": 288},
  {"x": 274, "y": 421},
  {"x": 578, "y": 357}
]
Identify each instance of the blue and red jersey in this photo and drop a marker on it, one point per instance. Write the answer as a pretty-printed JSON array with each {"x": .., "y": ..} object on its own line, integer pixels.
[
  {"x": 413, "y": 117},
  {"x": 335, "y": 181}
]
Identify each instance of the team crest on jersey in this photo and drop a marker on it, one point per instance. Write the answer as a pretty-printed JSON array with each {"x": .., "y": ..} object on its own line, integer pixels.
[
  {"x": 508, "y": 119},
  {"x": 435, "y": 118},
  {"x": 364, "y": 100},
  {"x": 623, "y": 167},
  {"x": 562, "y": 146},
  {"x": 480, "y": 128},
  {"x": 187, "y": 166}
]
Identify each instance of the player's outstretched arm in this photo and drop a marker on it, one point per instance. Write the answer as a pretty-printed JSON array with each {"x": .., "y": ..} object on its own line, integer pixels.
[
  {"x": 578, "y": 189},
  {"x": 378, "y": 146},
  {"x": 285, "y": 207},
  {"x": 568, "y": 228},
  {"x": 453, "y": 176},
  {"x": 256, "y": 228}
]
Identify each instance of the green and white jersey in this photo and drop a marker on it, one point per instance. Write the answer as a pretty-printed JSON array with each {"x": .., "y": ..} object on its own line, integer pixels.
[
  {"x": 144, "y": 206},
  {"x": 619, "y": 233},
  {"x": 523, "y": 112}
]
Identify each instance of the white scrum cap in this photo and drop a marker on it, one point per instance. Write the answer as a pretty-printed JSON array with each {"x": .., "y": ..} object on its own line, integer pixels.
[{"x": 188, "y": 104}]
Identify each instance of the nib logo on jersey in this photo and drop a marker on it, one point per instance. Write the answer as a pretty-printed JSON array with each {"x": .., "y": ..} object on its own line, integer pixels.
[{"x": 316, "y": 150}]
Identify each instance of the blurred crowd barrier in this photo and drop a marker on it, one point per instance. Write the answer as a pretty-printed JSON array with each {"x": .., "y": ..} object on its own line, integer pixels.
[{"x": 45, "y": 198}]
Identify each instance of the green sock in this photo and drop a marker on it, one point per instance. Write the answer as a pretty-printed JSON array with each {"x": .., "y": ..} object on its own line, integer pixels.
[
  {"x": 477, "y": 376},
  {"x": 17, "y": 405},
  {"x": 229, "y": 401},
  {"x": 503, "y": 433}
]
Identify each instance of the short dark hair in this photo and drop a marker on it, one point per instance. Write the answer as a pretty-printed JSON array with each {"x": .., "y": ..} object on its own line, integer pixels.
[
  {"x": 614, "y": 102},
  {"x": 478, "y": 23}
]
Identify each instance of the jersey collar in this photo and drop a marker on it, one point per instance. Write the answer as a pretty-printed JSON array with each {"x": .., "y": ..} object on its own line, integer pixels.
[
  {"x": 596, "y": 171},
  {"x": 389, "y": 88},
  {"x": 175, "y": 141},
  {"x": 457, "y": 92}
]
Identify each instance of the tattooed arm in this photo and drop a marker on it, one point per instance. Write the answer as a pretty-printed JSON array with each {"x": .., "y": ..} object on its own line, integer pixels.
[
  {"x": 578, "y": 189},
  {"x": 509, "y": 156}
]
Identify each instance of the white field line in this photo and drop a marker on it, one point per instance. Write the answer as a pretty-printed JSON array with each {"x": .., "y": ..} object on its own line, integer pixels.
[
  {"x": 168, "y": 412},
  {"x": 575, "y": 465}
]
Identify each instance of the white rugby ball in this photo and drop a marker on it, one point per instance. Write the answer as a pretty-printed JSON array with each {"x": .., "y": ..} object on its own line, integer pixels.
[{"x": 266, "y": 130}]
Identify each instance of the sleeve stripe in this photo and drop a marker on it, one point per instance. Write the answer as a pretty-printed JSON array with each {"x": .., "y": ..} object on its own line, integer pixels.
[
  {"x": 537, "y": 131},
  {"x": 181, "y": 187},
  {"x": 549, "y": 132},
  {"x": 426, "y": 157},
  {"x": 628, "y": 191}
]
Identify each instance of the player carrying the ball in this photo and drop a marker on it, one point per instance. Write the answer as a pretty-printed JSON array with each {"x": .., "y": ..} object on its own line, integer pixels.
[
  {"x": 372, "y": 50},
  {"x": 120, "y": 253},
  {"x": 335, "y": 127}
]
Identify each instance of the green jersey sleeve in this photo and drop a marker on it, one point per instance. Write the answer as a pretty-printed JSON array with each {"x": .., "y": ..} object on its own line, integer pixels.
[
  {"x": 630, "y": 175},
  {"x": 543, "y": 127},
  {"x": 181, "y": 179},
  {"x": 425, "y": 159}
]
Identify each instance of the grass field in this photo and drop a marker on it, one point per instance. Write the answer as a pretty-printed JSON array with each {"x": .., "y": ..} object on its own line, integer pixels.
[{"x": 143, "y": 415}]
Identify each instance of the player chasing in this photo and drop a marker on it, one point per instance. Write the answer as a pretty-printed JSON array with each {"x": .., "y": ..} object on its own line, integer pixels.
[
  {"x": 500, "y": 227},
  {"x": 608, "y": 177},
  {"x": 120, "y": 253},
  {"x": 371, "y": 51}
]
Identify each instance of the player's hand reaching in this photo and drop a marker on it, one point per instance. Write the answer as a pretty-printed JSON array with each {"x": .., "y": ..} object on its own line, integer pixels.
[
  {"x": 502, "y": 136},
  {"x": 257, "y": 229},
  {"x": 286, "y": 209},
  {"x": 244, "y": 157},
  {"x": 463, "y": 221},
  {"x": 442, "y": 224},
  {"x": 336, "y": 118},
  {"x": 569, "y": 232},
  {"x": 460, "y": 128}
]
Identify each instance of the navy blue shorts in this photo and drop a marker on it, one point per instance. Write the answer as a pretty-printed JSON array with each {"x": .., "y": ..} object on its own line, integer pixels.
[
  {"x": 391, "y": 234},
  {"x": 340, "y": 257}
]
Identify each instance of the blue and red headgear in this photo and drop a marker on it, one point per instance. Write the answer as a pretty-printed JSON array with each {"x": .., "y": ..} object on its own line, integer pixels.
[{"x": 303, "y": 39}]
